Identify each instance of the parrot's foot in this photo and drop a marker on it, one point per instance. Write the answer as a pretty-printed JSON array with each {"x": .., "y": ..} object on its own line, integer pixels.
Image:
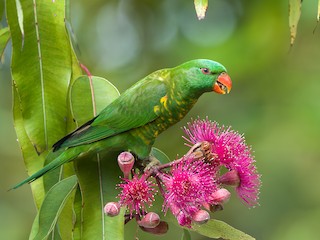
[
  {"x": 202, "y": 150},
  {"x": 152, "y": 162}
]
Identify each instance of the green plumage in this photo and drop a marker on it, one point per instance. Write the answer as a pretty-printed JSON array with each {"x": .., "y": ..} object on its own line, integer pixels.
[{"x": 134, "y": 120}]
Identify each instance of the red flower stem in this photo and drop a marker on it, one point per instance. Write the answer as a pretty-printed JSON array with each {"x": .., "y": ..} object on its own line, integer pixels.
[
  {"x": 156, "y": 169},
  {"x": 91, "y": 88},
  {"x": 158, "y": 178},
  {"x": 84, "y": 68}
]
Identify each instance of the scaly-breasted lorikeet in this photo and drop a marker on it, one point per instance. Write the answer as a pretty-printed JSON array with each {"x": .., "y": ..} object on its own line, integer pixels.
[{"x": 134, "y": 120}]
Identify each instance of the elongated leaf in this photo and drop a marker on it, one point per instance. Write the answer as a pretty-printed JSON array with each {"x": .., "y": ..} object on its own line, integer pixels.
[
  {"x": 294, "y": 16},
  {"x": 32, "y": 161},
  {"x": 219, "y": 229},
  {"x": 41, "y": 68},
  {"x": 65, "y": 221},
  {"x": 201, "y": 8},
  {"x": 4, "y": 38},
  {"x": 96, "y": 178},
  {"x": 35, "y": 228},
  {"x": 53, "y": 204}
]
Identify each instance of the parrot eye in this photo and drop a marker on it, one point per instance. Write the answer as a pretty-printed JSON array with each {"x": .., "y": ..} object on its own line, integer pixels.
[{"x": 205, "y": 70}]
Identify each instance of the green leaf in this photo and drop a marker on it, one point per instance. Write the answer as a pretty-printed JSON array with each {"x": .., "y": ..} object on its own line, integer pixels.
[
  {"x": 186, "y": 235},
  {"x": 161, "y": 156},
  {"x": 220, "y": 229},
  {"x": 294, "y": 16},
  {"x": 97, "y": 180},
  {"x": 65, "y": 221},
  {"x": 201, "y": 8},
  {"x": 32, "y": 161},
  {"x": 55, "y": 235},
  {"x": 4, "y": 38},
  {"x": 90, "y": 97},
  {"x": 41, "y": 68},
  {"x": 53, "y": 204},
  {"x": 35, "y": 228}
]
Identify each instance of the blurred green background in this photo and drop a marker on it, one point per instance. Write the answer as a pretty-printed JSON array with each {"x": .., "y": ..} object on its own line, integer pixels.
[{"x": 274, "y": 102}]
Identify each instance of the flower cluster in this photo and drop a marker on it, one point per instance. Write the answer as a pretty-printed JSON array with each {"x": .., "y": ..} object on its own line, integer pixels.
[
  {"x": 231, "y": 152},
  {"x": 188, "y": 186},
  {"x": 194, "y": 184},
  {"x": 136, "y": 194}
]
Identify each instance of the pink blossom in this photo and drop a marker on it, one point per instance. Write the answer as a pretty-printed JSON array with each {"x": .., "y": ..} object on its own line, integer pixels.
[
  {"x": 136, "y": 194},
  {"x": 188, "y": 186},
  {"x": 232, "y": 152}
]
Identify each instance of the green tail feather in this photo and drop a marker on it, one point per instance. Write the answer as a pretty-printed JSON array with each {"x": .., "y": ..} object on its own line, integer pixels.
[{"x": 57, "y": 162}]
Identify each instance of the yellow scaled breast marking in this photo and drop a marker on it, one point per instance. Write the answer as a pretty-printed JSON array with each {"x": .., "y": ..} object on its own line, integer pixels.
[
  {"x": 156, "y": 109},
  {"x": 164, "y": 101}
]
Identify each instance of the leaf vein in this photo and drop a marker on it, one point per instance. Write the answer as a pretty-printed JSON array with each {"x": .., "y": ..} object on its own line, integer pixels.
[
  {"x": 101, "y": 196},
  {"x": 41, "y": 73}
]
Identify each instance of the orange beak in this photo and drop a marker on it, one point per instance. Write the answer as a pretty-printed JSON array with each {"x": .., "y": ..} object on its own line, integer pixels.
[{"x": 223, "y": 84}]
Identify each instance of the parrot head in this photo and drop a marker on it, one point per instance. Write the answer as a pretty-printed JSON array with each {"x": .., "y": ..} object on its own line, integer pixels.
[{"x": 204, "y": 75}]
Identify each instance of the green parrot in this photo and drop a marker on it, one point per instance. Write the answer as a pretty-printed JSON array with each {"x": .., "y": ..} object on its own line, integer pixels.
[{"x": 133, "y": 121}]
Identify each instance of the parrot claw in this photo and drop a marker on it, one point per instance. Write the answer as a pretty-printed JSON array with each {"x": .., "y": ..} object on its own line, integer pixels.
[
  {"x": 152, "y": 162},
  {"x": 202, "y": 150}
]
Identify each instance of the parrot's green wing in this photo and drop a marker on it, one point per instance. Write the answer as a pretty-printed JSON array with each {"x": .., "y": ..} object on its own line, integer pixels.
[{"x": 134, "y": 108}]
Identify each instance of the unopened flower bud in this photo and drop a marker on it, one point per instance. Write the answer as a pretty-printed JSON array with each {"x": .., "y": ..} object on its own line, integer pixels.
[
  {"x": 126, "y": 162},
  {"x": 161, "y": 229},
  {"x": 150, "y": 220},
  {"x": 220, "y": 196},
  {"x": 112, "y": 209},
  {"x": 230, "y": 178},
  {"x": 201, "y": 217}
]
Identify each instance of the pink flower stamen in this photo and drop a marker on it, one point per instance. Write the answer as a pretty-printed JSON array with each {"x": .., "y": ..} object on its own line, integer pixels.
[
  {"x": 136, "y": 194},
  {"x": 232, "y": 152}
]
